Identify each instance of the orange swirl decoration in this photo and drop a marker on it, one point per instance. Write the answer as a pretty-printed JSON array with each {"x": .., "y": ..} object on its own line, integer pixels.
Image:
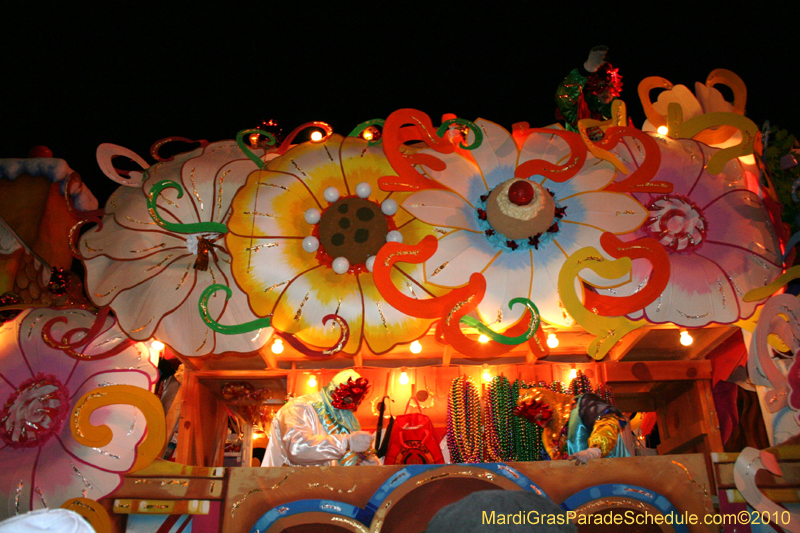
[
  {"x": 645, "y": 248},
  {"x": 396, "y": 132},
  {"x": 640, "y": 179},
  {"x": 93, "y": 436},
  {"x": 449, "y": 308},
  {"x": 557, "y": 173},
  {"x": 92, "y": 512}
]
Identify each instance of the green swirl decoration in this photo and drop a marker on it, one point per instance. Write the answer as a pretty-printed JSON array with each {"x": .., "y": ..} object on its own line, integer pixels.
[
  {"x": 364, "y": 125},
  {"x": 246, "y": 149},
  {"x": 247, "y": 327},
  {"x": 499, "y": 337},
  {"x": 197, "y": 227},
  {"x": 475, "y": 129}
]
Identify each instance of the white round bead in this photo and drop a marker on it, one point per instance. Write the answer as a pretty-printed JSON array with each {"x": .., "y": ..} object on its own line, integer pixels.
[
  {"x": 312, "y": 215},
  {"x": 363, "y": 190},
  {"x": 370, "y": 262},
  {"x": 310, "y": 244},
  {"x": 341, "y": 265},
  {"x": 389, "y": 207},
  {"x": 394, "y": 236},
  {"x": 331, "y": 194}
]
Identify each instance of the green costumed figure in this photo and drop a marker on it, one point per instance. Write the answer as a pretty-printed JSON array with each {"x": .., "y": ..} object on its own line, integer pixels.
[{"x": 588, "y": 91}]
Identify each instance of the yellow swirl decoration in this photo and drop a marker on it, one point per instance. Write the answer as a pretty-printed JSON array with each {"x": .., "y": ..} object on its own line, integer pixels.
[
  {"x": 93, "y": 436},
  {"x": 607, "y": 330},
  {"x": 766, "y": 291},
  {"x": 678, "y": 129},
  {"x": 93, "y": 512},
  {"x": 618, "y": 118},
  {"x": 605, "y": 434}
]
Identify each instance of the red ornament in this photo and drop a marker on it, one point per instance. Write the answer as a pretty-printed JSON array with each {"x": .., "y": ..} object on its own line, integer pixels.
[
  {"x": 349, "y": 395},
  {"x": 521, "y": 192},
  {"x": 535, "y": 411},
  {"x": 40, "y": 151}
]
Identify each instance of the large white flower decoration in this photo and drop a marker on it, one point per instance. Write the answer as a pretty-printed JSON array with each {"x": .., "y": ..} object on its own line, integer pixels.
[
  {"x": 43, "y": 464},
  {"x": 153, "y": 276},
  {"x": 517, "y": 233}
]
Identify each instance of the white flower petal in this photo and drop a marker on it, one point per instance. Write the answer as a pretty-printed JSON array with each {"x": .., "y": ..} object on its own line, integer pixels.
[
  {"x": 459, "y": 255},
  {"x": 497, "y": 155},
  {"x": 442, "y": 208},
  {"x": 507, "y": 277}
]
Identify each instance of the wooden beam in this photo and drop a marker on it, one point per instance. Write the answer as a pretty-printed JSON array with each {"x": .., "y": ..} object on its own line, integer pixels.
[
  {"x": 626, "y": 344},
  {"x": 711, "y": 339},
  {"x": 657, "y": 371}
]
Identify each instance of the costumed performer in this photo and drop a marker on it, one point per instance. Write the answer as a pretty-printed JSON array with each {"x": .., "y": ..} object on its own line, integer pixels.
[
  {"x": 588, "y": 91},
  {"x": 320, "y": 429},
  {"x": 579, "y": 427}
]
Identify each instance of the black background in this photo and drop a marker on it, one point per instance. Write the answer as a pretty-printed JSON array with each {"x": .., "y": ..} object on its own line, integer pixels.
[{"x": 72, "y": 79}]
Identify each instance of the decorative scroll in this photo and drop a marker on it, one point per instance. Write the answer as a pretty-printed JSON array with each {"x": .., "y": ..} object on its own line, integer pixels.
[
  {"x": 395, "y": 135},
  {"x": 235, "y": 329},
  {"x": 320, "y": 353},
  {"x": 608, "y": 330},
  {"x": 640, "y": 179},
  {"x": 780, "y": 316},
  {"x": 557, "y": 173},
  {"x": 85, "y": 336},
  {"x": 691, "y": 128},
  {"x": 156, "y": 147},
  {"x": 647, "y": 85},
  {"x": 106, "y": 153},
  {"x": 451, "y": 307},
  {"x": 287, "y": 142},
  {"x": 246, "y": 149},
  {"x": 93, "y": 436},
  {"x": 196, "y": 227},
  {"x": 358, "y": 130},
  {"x": 645, "y": 248},
  {"x": 92, "y": 511}
]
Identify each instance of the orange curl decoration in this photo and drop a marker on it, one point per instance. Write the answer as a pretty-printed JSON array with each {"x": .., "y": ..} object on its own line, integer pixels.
[{"x": 407, "y": 125}]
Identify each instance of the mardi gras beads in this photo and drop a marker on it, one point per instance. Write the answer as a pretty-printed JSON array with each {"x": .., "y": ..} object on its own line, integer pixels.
[{"x": 464, "y": 438}]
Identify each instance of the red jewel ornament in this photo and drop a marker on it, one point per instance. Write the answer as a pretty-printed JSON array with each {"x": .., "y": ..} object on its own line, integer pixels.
[
  {"x": 535, "y": 411},
  {"x": 521, "y": 192},
  {"x": 349, "y": 395}
]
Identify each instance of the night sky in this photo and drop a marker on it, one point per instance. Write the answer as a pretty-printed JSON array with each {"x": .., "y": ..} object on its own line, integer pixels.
[{"x": 73, "y": 80}]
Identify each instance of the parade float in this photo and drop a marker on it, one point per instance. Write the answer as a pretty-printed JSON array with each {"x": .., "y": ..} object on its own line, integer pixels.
[{"x": 455, "y": 267}]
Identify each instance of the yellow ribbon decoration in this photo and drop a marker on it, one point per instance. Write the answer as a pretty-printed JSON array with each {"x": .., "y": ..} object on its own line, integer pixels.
[
  {"x": 766, "y": 291},
  {"x": 93, "y": 512},
  {"x": 619, "y": 117},
  {"x": 607, "y": 330},
  {"x": 93, "y": 436},
  {"x": 678, "y": 129}
]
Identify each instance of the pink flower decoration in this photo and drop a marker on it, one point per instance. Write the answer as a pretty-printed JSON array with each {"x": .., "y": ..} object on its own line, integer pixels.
[
  {"x": 43, "y": 465},
  {"x": 716, "y": 230}
]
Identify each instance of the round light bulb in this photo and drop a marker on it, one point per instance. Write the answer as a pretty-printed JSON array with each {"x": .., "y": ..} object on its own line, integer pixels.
[
  {"x": 310, "y": 244},
  {"x": 367, "y": 134},
  {"x": 312, "y": 215},
  {"x": 363, "y": 190},
  {"x": 341, "y": 265},
  {"x": 552, "y": 340},
  {"x": 389, "y": 207},
  {"x": 157, "y": 345},
  {"x": 312, "y": 381},
  {"x": 403, "y": 378},
  {"x": 662, "y": 130},
  {"x": 316, "y": 136},
  {"x": 572, "y": 374},
  {"x": 331, "y": 194},
  {"x": 254, "y": 140},
  {"x": 486, "y": 376},
  {"x": 277, "y": 346},
  {"x": 416, "y": 347},
  {"x": 394, "y": 236},
  {"x": 483, "y": 338},
  {"x": 686, "y": 339}
]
